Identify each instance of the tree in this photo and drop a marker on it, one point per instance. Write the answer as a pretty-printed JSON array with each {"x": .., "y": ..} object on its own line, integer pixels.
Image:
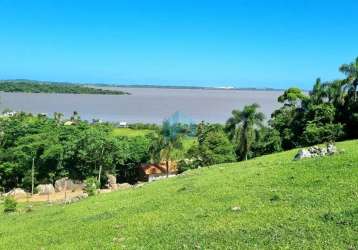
[
  {"x": 57, "y": 117},
  {"x": 321, "y": 125},
  {"x": 96, "y": 152},
  {"x": 213, "y": 147},
  {"x": 318, "y": 93},
  {"x": 165, "y": 146},
  {"x": 267, "y": 141},
  {"x": 334, "y": 92},
  {"x": 289, "y": 119},
  {"x": 241, "y": 127},
  {"x": 351, "y": 82},
  {"x": 292, "y": 97},
  {"x": 28, "y": 153}
]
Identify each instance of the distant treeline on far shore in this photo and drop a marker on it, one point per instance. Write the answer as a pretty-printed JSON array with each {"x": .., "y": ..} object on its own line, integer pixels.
[{"x": 29, "y": 86}]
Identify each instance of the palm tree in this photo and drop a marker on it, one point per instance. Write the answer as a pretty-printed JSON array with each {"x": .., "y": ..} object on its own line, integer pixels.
[
  {"x": 351, "y": 82},
  {"x": 334, "y": 92},
  {"x": 165, "y": 146},
  {"x": 58, "y": 117},
  {"x": 318, "y": 92},
  {"x": 241, "y": 127}
]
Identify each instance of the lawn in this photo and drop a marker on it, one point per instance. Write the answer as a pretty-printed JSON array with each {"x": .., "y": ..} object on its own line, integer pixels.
[
  {"x": 278, "y": 204},
  {"x": 131, "y": 132}
]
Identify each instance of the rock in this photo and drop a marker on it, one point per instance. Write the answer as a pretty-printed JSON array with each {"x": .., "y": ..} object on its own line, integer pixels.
[
  {"x": 236, "y": 209},
  {"x": 84, "y": 196},
  {"x": 331, "y": 149},
  {"x": 124, "y": 186},
  {"x": 112, "y": 181},
  {"x": 45, "y": 189},
  {"x": 316, "y": 151},
  {"x": 76, "y": 198},
  {"x": 68, "y": 184},
  {"x": 17, "y": 192},
  {"x": 303, "y": 153}
]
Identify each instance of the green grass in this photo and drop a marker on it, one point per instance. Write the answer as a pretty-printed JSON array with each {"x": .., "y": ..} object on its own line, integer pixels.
[
  {"x": 284, "y": 204},
  {"x": 131, "y": 132}
]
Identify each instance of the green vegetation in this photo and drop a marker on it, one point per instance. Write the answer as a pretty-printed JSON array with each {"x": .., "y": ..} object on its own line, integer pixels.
[
  {"x": 9, "y": 204},
  {"x": 91, "y": 186},
  {"x": 131, "y": 132},
  {"x": 241, "y": 128},
  {"x": 212, "y": 147},
  {"x": 48, "y": 149},
  {"x": 270, "y": 202},
  {"x": 165, "y": 145},
  {"x": 53, "y": 87}
]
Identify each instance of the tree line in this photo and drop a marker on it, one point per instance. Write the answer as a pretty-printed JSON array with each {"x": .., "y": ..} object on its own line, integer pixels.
[
  {"x": 328, "y": 113},
  {"x": 53, "y": 87},
  {"x": 55, "y": 150}
]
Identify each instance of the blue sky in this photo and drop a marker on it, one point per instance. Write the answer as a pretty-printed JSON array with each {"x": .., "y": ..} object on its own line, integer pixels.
[{"x": 203, "y": 43}]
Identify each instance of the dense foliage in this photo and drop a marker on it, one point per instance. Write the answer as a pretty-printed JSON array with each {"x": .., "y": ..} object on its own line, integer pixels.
[
  {"x": 329, "y": 112},
  {"x": 213, "y": 147},
  {"x": 77, "y": 151},
  {"x": 53, "y": 87}
]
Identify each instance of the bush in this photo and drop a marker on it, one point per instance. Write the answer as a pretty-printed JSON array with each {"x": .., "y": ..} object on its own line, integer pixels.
[
  {"x": 9, "y": 204},
  {"x": 186, "y": 164},
  {"x": 91, "y": 186}
]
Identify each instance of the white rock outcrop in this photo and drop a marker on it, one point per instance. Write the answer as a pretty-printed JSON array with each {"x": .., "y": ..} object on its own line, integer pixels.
[
  {"x": 17, "y": 192},
  {"x": 316, "y": 151},
  {"x": 45, "y": 189},
  {"x": 68, "y": 184}
]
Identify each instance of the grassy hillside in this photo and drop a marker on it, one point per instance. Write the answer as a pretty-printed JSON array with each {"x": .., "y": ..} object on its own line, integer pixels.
[{"x": 309, "y": 204}]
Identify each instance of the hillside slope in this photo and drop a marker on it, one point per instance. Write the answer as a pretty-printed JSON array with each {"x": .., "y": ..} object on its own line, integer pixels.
[{"x": 308, "y": 204}]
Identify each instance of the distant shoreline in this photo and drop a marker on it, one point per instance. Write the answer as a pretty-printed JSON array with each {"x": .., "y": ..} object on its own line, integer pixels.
[
  {"x": 28, "y": 86},
  {"x": 151, "y": 86},
  {"x": 146, "y": 85}
]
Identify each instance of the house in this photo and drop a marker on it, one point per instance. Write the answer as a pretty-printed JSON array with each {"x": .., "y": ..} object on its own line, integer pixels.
[
  {"x": 9, "y": 114},
  {"x": 123, "y": 124},
  {"x": 151, "y": 172}
]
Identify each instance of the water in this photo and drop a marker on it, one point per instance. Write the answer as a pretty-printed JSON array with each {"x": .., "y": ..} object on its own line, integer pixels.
[{"x": 148, "y": 105}]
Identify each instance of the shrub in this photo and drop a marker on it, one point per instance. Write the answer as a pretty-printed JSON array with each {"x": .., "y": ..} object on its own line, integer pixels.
[
  {"x": 9, "y": 204},
  {"x": 186, "y": 164},
  {"x": 91, "y": 186}
]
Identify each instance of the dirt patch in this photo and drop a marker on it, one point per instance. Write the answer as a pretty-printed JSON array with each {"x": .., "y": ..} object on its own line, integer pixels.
[{"x": 58, "y": 196}]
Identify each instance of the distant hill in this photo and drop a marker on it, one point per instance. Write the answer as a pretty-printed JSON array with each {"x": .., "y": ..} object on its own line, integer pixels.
[
  {"x": 29, "y": 86},
  {"x": 269, "y": 202}
]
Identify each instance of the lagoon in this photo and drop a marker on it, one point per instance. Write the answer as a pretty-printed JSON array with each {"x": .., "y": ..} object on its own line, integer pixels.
[{"x": 147, "y": 105}]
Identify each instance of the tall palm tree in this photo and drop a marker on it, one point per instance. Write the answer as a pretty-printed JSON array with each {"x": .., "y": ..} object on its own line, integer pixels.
[
  {"x": 241, "y": 127},
  {"x": 351, "y": 82}
]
